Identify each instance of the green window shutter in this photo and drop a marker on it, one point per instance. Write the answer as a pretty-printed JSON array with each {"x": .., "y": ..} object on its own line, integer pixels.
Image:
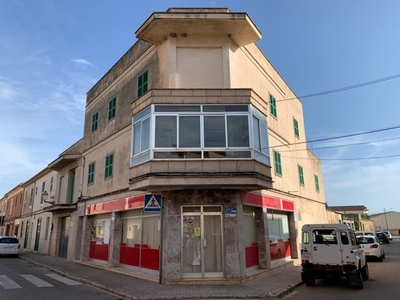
[
  {"x": 272, "y": 106},
  {"x": 142, "y": 83},
  {"x": 301, "y": 175},
  {"x": 278, "y": 164},
  {"x": 316, "y": 183},
  {"x": 108, "y": 172},
  {"x": 95, "y": 120},
  {"x": 91, "y": 173},
  {"x": 296, "y": 128},
  {"x": 111, "y": 108}
]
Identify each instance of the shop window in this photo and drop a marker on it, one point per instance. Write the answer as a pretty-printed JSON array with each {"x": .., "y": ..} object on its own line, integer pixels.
[{"x": 278, "y": 234}]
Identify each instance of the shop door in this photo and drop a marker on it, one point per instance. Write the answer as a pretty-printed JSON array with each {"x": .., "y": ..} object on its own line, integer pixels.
[
  {"x": 202, "y": 255},
  {"x": 37, "y": 238},
  {"x": 64, "y": 234}
]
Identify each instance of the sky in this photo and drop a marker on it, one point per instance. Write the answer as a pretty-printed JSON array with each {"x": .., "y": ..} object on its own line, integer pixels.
[{"x": 53, "y": 52}]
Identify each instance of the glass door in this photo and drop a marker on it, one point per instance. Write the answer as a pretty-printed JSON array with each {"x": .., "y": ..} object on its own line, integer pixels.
[{"x": 202, "y": 255}]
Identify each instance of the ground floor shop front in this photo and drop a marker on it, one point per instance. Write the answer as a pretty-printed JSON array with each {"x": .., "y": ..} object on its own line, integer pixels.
[{"x": 197, "y": 234}]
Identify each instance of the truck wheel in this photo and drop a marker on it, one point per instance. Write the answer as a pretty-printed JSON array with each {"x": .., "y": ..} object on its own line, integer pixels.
[
  {"x": 355, "y": 279},
  {"x": 308, "y": 278},
  {"x": 365, "y": 272}
]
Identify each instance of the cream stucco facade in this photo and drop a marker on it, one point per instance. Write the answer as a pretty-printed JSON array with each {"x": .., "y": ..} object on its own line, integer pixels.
[{"x": 193, "y": 113}]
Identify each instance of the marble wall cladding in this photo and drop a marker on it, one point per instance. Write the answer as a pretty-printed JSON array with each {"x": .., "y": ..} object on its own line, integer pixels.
[
  {"x": 86, "y": 235},
  {"x": 115, "y": 239},
  {"x": 293, "y": 236},
  {"x": 233, "y": 239},
  {"x": 262, "y": 238},
  {"x": 78, "y": 231}
]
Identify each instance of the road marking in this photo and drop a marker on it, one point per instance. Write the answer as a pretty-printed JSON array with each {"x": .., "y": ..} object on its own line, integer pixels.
[
  {"x": 36, "y": 281},
  {"x": 7, "y": 283},
  {"x": 63, "y": 279}
]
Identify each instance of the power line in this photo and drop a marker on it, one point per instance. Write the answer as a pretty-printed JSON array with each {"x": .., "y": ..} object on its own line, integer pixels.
[
  {"x": 343, "y": 145},
  {"x": 346, "y": 159},
  {"x": 346, "y": 88},
  {"x": 338, "y": 137}
]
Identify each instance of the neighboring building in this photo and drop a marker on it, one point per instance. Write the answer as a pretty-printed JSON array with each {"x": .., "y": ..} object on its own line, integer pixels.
[
  {"x": 389, "y": 220},
  {"x": 194, "y": 159},
  {"x": 2, "y": 213},
  {"x": 12, "y": 210},
  {"x": 354, "y": 216}
]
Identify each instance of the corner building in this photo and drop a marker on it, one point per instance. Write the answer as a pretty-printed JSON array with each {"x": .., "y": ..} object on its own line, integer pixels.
[{"x": 192, "y": 114}]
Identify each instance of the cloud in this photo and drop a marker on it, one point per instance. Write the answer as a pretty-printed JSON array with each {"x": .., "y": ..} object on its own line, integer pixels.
[
  {"x": 7, "y": 91},
  {"x": 81, "y": 61}
]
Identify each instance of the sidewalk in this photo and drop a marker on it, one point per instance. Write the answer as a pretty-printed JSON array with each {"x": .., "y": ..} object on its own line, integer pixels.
[{"x": 268, "y": 285}]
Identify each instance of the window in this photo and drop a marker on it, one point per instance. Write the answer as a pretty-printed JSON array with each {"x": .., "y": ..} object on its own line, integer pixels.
[
  {"x": 199, "y": 132},
  {"x": 316, "y": 183},
  {"x": 111, "y": 108},
  {"x": 43, "y": 190},
  {"x": 108, "y": 171},
  {"x": 301, "y": 175},
  {"x": 272, "y": 106},
  {"x": 142, "y": 83},
  {"x": 31, "y": 197},
  {"x": 90, "y": 179},
  {"x": 296, "y": 127},
  {"x": 51, "y": 183},
  {"x": 278, "y": 165},
  {"x": 95, "y": 118}
]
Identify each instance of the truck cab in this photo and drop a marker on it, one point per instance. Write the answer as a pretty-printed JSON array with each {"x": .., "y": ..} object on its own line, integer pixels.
[{"x": 332, "y": 250}]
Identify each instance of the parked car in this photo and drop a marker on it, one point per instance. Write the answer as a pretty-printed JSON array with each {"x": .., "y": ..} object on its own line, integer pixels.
[
  {"x": 367, "y": 233},
  {"x": 371, "y": 247},
  {"x": 388, "y": 234},
  {"x": 9, "y": 245},
  {"x": 383, "y": 238}
]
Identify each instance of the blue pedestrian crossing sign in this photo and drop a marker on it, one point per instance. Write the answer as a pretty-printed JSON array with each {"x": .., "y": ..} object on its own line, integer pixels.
[{"x": 152, "y": 202}]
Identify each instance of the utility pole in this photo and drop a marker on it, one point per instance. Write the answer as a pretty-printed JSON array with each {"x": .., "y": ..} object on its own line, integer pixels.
[{"x": 384, "y": 212}]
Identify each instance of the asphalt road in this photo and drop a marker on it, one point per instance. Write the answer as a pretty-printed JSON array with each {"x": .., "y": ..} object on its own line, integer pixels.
[
  {"x": 384, "y": 282},
  {"x": 22, "y": 280}
]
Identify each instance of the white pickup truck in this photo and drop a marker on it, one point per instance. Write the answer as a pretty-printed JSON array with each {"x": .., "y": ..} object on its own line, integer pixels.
[{"x": 332, "y": 250}]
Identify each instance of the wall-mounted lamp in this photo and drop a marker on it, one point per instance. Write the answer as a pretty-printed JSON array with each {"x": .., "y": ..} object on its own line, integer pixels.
[
  {"x": 45, "y": 196},
  {"x": 82, "y": 197}
]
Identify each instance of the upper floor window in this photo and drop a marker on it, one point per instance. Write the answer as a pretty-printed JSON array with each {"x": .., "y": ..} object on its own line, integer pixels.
[
  {"x": 43, "y": 190},
  {"x": 95, "y": 119},
  {"x": 278, "y": 165},
  {"x": 301, "y": 175},
  {"x": 142, "y": 83},
  {"x": 108, "y": 171},
  {"x": 199, "y": 132},
  {"x": 51, "y": 183},
  {"x": 111, "y": 108},
  {"x": 316, "y": 180},
  {"x": 90, "y": 179},
  {"x": 296, "y": 127},
  {"x": 272, "y": 106},
  {"x": 31, "y": 197}
]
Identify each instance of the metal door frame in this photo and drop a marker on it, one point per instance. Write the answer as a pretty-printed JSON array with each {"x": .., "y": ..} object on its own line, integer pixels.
[{"x": 201, "y": 214}]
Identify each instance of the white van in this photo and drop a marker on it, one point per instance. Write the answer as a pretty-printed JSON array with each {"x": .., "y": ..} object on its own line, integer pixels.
[{"x": 332, "y": 250}]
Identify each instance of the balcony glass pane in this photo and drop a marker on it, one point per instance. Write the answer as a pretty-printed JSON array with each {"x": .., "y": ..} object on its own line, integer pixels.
[
  {"x": 189, "y": 132},
  {"x": 166, "y": 133},
  {"x": 238, "y": 131},
  {"x": 214, "y": 132}
]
